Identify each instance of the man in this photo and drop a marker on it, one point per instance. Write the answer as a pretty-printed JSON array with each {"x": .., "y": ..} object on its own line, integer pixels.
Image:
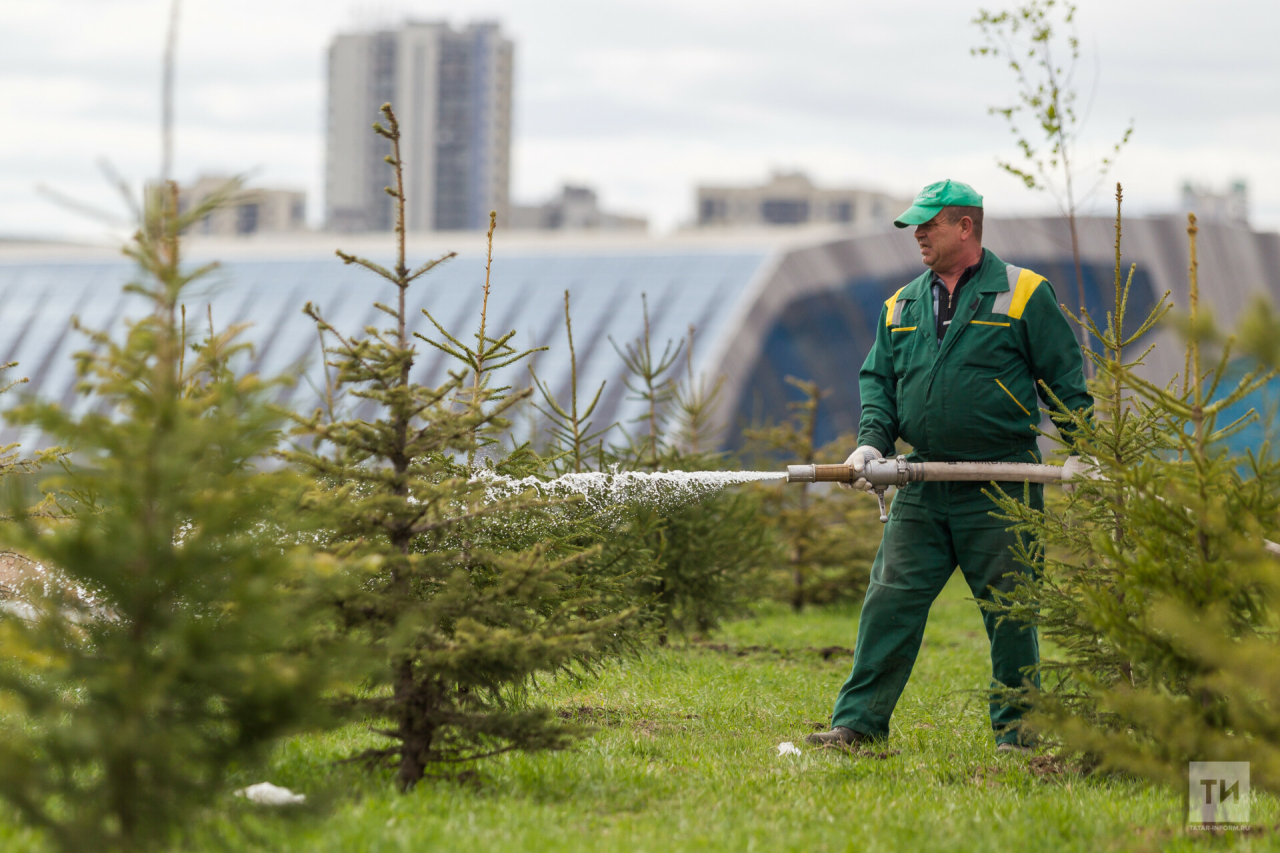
[{"x": 958, "y": 362}]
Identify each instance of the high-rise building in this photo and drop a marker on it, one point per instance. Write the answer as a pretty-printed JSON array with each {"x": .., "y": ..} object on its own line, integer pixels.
[{"x": 451, "y": 91}]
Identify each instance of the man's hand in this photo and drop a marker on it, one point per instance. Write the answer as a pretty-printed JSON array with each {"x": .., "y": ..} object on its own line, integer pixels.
[
  {"x": 858, "y": 461},
  {"x": 1077, "y": 468}
]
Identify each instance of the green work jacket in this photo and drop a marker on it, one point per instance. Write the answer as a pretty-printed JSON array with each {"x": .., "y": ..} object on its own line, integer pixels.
[{"x": 974, "y": 397}]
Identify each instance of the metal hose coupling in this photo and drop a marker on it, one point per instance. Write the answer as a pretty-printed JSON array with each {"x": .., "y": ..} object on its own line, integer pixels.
[{"x": 880, "y": 473}]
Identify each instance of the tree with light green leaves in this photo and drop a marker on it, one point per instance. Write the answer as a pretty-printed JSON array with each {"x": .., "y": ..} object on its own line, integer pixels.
[
  {"x": 1159, "y": 579},
  {"x": 458, "y": 600},
  {"x": 1039, "y": 43},
  {"x": 829, "y": 536},
  {"x": 174, "y": 643}
]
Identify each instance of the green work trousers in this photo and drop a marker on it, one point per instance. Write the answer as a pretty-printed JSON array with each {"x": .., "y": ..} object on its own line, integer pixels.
[{"x": 932, "y": 528}]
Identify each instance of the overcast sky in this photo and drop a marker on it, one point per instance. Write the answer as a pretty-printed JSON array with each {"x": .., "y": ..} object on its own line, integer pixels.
[{"x": 644, "y": 98}]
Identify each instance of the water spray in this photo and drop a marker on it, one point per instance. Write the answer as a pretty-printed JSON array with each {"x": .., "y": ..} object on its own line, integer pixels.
[
  {"x": 604, "y": 491},
  {"x": 661, "y": 488},
  {"x": 883, "y": 473}
]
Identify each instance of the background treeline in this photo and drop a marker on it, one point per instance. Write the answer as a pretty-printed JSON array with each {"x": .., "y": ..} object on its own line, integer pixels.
[
  {"x": 1158, "y": 577},
  {"x": 219, "y": 574}
]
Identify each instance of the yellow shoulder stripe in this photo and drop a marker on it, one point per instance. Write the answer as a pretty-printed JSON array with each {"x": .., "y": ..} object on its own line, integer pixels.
[
  {"x": 1027, "y": 284},
  {"x": 889, "y": 303}
]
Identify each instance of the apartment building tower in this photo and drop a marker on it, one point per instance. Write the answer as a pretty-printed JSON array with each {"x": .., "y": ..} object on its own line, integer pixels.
[{"x": 451, "y": 90}]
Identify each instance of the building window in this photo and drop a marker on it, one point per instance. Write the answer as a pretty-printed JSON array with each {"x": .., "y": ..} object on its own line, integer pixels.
[
  {"x": 784, "y": 211},
  {"x": 298, "y": 212},
  {"x": 842, "y": 211},
  {"x": 246, "y": 219},
  {"x": 710, "y": 210}
]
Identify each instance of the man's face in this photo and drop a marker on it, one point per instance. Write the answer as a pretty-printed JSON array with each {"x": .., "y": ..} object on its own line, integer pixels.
[{"x": 942, "y": 242}]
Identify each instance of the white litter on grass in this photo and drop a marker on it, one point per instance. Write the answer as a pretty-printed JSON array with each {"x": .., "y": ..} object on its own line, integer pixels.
[
  {"x": 659, "y": 489},
  {"x": 788, "y": 748},
  {"x": 266, "y": 794}
]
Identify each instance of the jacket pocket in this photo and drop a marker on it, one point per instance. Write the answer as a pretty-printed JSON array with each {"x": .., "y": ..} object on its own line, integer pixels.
[
  {"x": 989, "y": 343},
  {"x": 903, "y": 340},
  {"x": 1015, "y": 400}
]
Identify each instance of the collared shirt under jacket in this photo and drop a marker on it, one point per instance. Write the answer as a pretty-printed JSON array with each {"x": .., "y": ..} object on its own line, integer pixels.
[
  {"x": 944, "y": 311},
  {"x": 974, "y": 395}
]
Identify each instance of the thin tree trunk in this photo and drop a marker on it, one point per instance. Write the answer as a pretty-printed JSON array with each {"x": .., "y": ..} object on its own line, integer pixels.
[
  {"x": 1082, "y": 334},
  {"x": 414, "y": 735}
]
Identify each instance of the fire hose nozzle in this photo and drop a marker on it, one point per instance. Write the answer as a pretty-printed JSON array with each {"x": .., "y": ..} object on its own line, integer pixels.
[
  {"x": 801, "y": 474},
  {"x": 819, "y": 474},
  {"x": 880, "y": 473}
]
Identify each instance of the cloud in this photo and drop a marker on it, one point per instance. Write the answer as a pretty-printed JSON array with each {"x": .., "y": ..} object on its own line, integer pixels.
[{"x": 646, "y": 98}]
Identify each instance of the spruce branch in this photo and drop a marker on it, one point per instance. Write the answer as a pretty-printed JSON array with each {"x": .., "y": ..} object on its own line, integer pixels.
[{"x": 570, "y": 427}]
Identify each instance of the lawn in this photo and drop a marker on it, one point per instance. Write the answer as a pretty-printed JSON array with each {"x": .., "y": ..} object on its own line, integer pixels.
[{"x": 684, "y": 757}]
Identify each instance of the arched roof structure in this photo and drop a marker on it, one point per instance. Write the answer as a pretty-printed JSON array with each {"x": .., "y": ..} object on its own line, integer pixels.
[
  {"x": 765, "y": 306},
  {"x": 40, "y": 293}
]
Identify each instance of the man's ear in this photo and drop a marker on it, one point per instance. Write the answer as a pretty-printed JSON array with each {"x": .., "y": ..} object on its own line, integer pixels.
[{"x": 966, "y": 227}]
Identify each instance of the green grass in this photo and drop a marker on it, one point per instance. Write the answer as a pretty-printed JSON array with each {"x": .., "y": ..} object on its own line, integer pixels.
[{"x": 685, "y": 758}]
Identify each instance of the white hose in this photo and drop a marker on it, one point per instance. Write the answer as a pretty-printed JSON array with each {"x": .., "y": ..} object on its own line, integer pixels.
[
  {"x": 897, "y": 471},
  {"x": 983, "y": 472}
]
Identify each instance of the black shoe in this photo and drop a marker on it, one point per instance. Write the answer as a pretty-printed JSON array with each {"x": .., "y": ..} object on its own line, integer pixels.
[{"x": 839, "y": 736}]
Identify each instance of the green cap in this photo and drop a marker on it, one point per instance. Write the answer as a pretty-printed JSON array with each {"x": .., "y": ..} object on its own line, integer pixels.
[{"x": 933, "y": 198}]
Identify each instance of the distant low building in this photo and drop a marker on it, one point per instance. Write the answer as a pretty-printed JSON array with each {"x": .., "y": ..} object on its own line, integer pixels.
[
  {"x": 249, "y": 210},
  {"x": 575, "y": 209},
  {"x": 1230, "y": 207},
  {"x": 791, "y": 198}
]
